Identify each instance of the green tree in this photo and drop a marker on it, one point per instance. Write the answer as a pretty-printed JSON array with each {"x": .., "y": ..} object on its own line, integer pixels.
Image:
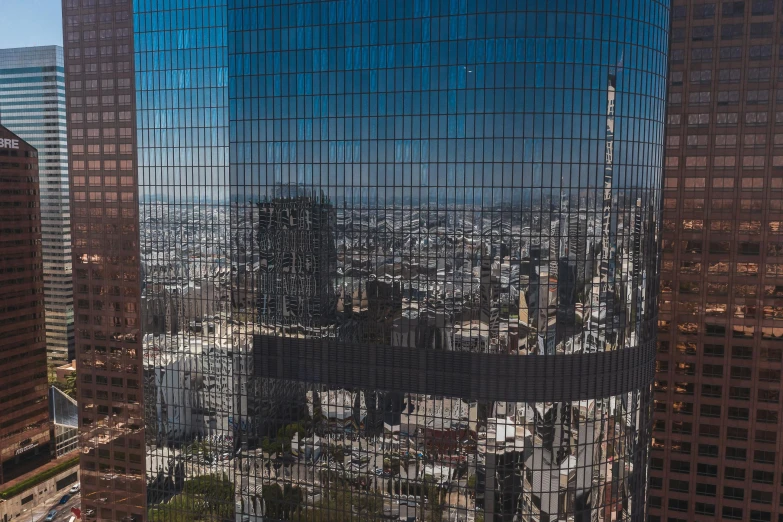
[
  {"x": 70, "y": 385},
  {"x": 436, "y": 498},
  {"x": 209, "y": 498}
]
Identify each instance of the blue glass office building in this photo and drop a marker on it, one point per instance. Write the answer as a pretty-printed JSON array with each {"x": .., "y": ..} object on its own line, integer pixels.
[{"x": 398, "y": 258}]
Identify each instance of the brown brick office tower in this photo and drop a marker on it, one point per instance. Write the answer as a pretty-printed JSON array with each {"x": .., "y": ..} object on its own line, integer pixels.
[
  {"x": 24, "y": 410},
  {"x": 717, "y": 448},
  {"x": 98, "y": 38}
]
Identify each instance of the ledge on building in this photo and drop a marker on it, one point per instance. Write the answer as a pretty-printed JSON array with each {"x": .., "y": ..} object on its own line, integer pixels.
[{"x": 37, "y": 476}]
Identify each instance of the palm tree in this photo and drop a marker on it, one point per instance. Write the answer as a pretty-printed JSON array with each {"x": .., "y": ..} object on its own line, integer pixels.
[{"x": 70, "y": 384}]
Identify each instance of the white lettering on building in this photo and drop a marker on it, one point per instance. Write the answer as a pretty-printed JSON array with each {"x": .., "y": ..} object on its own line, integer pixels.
[
  {"x": 6, "y": 143},
  {"x": 25, "y": 448}
]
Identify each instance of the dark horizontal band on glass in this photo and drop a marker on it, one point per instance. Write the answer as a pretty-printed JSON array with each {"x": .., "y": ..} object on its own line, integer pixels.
[{"x": 518, "y": 378}]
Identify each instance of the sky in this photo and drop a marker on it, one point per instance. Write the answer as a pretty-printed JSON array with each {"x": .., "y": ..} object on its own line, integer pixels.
[{"x": 26, "y": 23}]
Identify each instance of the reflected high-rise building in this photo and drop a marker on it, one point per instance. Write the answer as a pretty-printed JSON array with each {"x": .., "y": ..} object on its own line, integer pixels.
[{"x": 398, "y": 259}]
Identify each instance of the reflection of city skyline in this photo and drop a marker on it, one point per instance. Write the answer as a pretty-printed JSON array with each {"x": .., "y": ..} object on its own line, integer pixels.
[
  {"x": 446, "y": 260},
  {"x": 438, "y": 280}
]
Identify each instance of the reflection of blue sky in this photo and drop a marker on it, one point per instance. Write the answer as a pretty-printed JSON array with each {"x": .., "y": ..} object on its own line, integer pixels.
[
  {"x": 346, "y": 93},
  {"x": 182, "y": 98}
]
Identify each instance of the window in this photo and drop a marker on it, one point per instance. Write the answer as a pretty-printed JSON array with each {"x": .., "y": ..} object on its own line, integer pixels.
[
  {"x": 766, "y": 437},
  {"x": 739, "y": 394},
  {"x": 722, "y": 118},
  {"x": 711, "y": 390},
  {"x": 757, "y": 97},
  {"x": 760, "y": 52},
  {"x": 756, "y": 118},
  {"x": 763, "y": 477},
  {"x": 762, "y": 7},
  {"x": 699, "y": 98},
  {"x": 759, "y": 74},
  {"x": 770, "y": 396},
  {"x": 704, "y": 76},
  {"x": 764, "y": 457},
  {"x": 702, "y": 33},
  {"x": 728, "y": 97},
  {"x": 734, "y": 474},
  {"x": 697, "y": 55},
  {"x": 706, "y": 470},
  {"x": 729, "y": 75},
  {"x": 723, "y": 141},
  {"x": 710, "y": 410},
  {"x": 733, "y": 9},
  {"x": 754, "y": 140},
  {"x": 736, "y": 453},
  {"x": 761, "y": 30},
  {"x": 708, "y": 450},
  {"x": 733, "y": 493},
  {"x": 709, "y": 430},
  {"x": 679, "y": 12},
  {"x": 761, "y": 497},
  {"x": 760, "y": 516},
  {"x": 730, "y": 32},
  {"x": 703, "y": 11},
  {"x": 702, "y": 119},
  {"x": 741, "y": 373},
  {"x": 734, "y": 433},
  {"x": 678, "y": 505},
  {"x": 679, "y": 466}
]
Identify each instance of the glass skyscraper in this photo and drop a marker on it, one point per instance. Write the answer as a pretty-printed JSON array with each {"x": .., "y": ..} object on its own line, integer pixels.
[
  {"x": 398, "y": 259},
  {"x": 32, "y": 104}
]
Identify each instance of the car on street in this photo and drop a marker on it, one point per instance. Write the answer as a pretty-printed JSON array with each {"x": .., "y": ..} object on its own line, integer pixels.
[
  {"x": 75, "y": 488},
  {"x": 51, "y": 515},
  {"x": 88, "y": 512},
  {"x": 65, "y": 499}
]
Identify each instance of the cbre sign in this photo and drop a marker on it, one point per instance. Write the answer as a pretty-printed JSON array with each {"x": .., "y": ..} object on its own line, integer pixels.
[{"x": 7, "y": 143}]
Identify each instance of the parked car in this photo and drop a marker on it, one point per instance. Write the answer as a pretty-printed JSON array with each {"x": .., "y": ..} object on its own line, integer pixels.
[
  {"x": 65, "y": 499},
  {"x": 51, "y": 516},
  {"x": 88, "y": 512},
  {"x": 75, "y": 488}
]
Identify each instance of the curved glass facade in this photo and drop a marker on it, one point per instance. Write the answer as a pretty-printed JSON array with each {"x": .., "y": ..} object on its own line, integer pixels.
[
  {"x": 475, "y": 179},
  {"x": 399, "y": 257}
]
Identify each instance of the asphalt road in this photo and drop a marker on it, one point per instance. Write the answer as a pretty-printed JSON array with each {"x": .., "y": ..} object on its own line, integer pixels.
[{"x": 63, "y": 511}]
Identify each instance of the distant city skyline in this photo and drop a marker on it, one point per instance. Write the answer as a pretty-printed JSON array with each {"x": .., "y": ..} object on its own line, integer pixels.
[{"x": 28, "y": 23}]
